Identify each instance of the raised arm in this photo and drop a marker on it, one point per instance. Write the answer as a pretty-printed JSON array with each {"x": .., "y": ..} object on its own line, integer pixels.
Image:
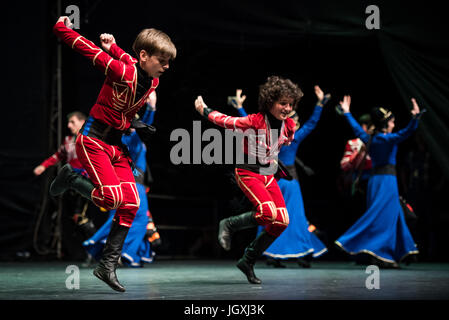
[
  {"x": 58, "y": 156},
  {"x": 358, "y": 130},
  {"x": 403, "y": 134},
  {"x": 100, "y": 59},
  {"x": 221, "y": 119},
  {"x": 311, "y": 123},
  {"x": 150, "y": 103},
  {"x": 237, "y": 102},
  {"x": 110, "y": 46}
]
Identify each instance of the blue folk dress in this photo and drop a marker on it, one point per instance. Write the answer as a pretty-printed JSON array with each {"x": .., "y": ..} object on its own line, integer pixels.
[
  {"x": 296, "y": 241},
  {"x": 136, "y": 249},
  {"x": 381, "y": 231}
]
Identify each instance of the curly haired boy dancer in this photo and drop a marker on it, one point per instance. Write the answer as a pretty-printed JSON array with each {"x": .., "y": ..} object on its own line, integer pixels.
[
  {"x": 271, "y": 128},
  {"x": 128, "y": 83}
]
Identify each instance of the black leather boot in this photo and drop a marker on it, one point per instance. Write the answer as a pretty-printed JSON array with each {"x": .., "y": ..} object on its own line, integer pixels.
[
  {"x": 276, "y": 263},
  {"x": 303, "y": 262},
  {"x": 252, "y": 252},
  {"x": 87, "y": 229},
  {"x": 105, "y": 270},
  {"x": 228, "y": 226},
  {"x": 69, "y": 179}
]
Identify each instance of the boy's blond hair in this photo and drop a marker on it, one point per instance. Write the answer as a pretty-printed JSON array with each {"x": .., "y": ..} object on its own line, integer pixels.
[{"x": 154, "y": 41}]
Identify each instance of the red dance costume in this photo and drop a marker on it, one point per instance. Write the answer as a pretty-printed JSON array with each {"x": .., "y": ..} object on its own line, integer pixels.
[
  {"x": 66, "y": 153},
  {"x": 262, "y": 190},
  {"x": 107, "y": 164},
  {"x": 353, "y": 156}
]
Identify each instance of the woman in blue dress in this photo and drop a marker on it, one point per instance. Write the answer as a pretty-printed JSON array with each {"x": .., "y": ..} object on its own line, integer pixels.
[
  {"x": 137, "y": 247},
  {"x": 381, "y": 232},
  {"x": 296, "y": 241}
]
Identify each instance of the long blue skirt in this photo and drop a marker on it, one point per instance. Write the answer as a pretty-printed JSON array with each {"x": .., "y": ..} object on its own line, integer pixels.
[
  {"x": 382, "y": 230},
  {"x": 136, "y": 249},
  {"x": 296, "y": 241}
]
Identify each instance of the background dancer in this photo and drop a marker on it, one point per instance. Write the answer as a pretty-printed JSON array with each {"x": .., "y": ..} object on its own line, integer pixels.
[
  {"x": 143, "y": 236},
  {"x": 382, "y": 231},
  {"x": 128, "y": 83},
  {"x": 355, "y": 168},
  {"x": 74, "y": 203},
  {"x": 355, "y": 160},
  {"x": 277, "y": 98}
]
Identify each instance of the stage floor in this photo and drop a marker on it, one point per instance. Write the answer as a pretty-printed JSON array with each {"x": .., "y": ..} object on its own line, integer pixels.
[{"x": 221, "y": 280}]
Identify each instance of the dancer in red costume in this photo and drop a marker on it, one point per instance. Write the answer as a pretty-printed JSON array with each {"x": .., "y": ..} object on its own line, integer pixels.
[
  {"x": 66, "y": 152},
  {"x": 128, "y": 83},
  {"x": 75, "y": 203},
  {"x": 270, "y": 128}
]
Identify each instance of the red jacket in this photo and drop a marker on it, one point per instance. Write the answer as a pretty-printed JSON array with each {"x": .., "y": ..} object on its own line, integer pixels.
[
  {"x": 353, "y": 156},
  {"x": 66, "y": 153},
  {"x": 260, "y": 134},
  {"x": 115, "y": 105}
]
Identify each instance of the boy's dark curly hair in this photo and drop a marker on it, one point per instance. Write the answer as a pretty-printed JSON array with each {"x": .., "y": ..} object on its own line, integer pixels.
[{"x": 275, "y": 88}]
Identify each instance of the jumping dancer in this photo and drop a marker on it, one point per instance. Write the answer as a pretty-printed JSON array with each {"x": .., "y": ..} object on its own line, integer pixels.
[
  {"x": 266, "y": 132},
  {"x": 296, "y": 241},
  {"x": 139, "y": 244},
  {"x": 382, "y": 231},
  {"x": 128, "y": 83}
]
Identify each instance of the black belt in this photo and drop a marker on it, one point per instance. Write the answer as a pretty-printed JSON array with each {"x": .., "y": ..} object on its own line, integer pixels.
[
  {"x": 96, "y": 129},
  {"x": 99, "y": 130},
  {"x": 256, "y": 168},
  {"x": 386, "y": 169},
  {"x": 139, "y": 176},
  {"x": 292, "y": 171}
]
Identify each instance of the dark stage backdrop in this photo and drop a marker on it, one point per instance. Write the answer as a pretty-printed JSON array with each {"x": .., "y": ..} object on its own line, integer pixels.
[{"x": 224, "y": 45}]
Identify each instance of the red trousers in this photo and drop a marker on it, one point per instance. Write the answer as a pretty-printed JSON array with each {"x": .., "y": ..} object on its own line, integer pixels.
[
  {"x": 265, "y": 195},
  {"x": 110, "y": 172}
]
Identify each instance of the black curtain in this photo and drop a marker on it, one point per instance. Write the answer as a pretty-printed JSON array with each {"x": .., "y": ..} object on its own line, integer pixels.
[{"x": 25, "y": 135}]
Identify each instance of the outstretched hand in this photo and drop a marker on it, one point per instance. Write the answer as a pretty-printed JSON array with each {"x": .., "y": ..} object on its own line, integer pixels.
[
  {"x": 415, "y": 109},
  {"x": 152, "y": 98},
  {"x": 239, "y": 99},
  {"x": 345, "y": 104},
  {"x": 200, "y": 105},
  {"x": 39, "y": 170},
  {"x": 66, "y": 21},
  {"x": 319, "y": 93},
  {"x": 107, "y": 40},
  {"x": 322, "y": 98}
]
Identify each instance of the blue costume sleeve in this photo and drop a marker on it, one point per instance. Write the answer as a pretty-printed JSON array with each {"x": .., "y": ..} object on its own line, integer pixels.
[
  {"x": 358, "y": 130},
  {"x": 148, "y": 116},
  {"x": 403, "y": 134},
  {"x": 137, "y": 150},
  {"x": 242, "y": 112},
  {"x": 132, "y": 141},
  {"x": 310, "y": 124}
]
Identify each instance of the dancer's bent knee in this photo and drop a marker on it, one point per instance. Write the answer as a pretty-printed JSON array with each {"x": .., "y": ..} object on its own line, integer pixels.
[
  {"x": 266, "y": 213},
  {"x": 279, "y": 224},
  {"x": 108, "y": 197}
]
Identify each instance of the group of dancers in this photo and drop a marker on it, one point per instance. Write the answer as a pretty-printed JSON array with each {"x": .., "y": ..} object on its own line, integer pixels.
[{"x": 270, "y": 183}]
